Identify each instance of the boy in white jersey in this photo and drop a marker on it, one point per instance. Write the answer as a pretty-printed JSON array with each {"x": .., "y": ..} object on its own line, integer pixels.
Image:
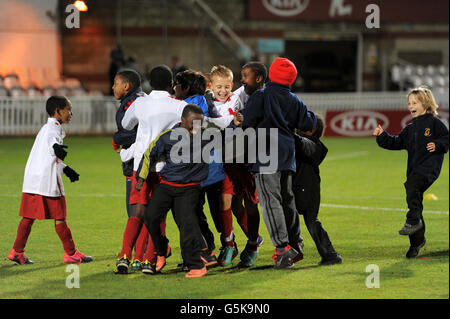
[
  {"x": 43, "y": 191},
  {"x": 154, "y": 113}
]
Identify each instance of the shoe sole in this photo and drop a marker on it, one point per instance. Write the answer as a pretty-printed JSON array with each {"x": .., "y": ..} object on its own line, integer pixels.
[
  {"x": 409, "y": 233},
  {"x": 122, "y": 268},
  {"x": 27, "y": 262},
  {"x": 418, "y": 250},
  {"x": 331, "y": 262},
  {"x": 73, "y": 261},
  {"x": 245, "y": 264},
  {"x": 148, "y": 271},
  {"x": 87, "y": 259},
  {"x": 209, "y": 263},
  {"x": 159, "y": 270},
  {"x": 195, "y": 276}
]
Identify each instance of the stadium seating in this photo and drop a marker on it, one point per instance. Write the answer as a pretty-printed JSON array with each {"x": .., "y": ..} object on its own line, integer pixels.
[
  {"x": 407, "y": 76},
  {"x": 11, "y": 85}
]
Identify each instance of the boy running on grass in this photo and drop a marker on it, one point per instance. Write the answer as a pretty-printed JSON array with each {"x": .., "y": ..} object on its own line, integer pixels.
[
  {"x": 43, "y": 190},
  {"x": 426, "y": 141}
]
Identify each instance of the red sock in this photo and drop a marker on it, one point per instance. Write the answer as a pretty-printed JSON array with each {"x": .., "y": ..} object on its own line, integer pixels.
[
  {"x": 130, "y": 235},
  {"x": 242, "y": 219},
  {"x": 65, "y": 235},
  {"x": 150, "y": 252},
  {"x": 141, "y": 243},
  {"x": 227, "y": 222},
  {"x": 23, "y": 231}
]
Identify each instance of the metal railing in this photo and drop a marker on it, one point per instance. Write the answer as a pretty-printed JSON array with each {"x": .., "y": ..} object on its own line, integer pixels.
[
  {"x": 26, "y": 115},
  {"x": 96, "y": 115}
]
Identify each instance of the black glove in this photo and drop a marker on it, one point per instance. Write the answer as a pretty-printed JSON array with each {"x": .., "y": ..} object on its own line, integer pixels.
[
  {"x": 70, "y": 173},
  {"x": 59, "y": 151}
]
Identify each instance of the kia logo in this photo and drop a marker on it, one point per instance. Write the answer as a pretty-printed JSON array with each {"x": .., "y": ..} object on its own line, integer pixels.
[
  {"x": 285, "y": 8},
  {"x": 358, "y": 123}
]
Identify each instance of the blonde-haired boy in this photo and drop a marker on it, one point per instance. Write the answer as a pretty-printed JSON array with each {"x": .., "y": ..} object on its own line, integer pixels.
[
  {"x": 225, "y": 101},
  {"x": 426, "y": 141}
]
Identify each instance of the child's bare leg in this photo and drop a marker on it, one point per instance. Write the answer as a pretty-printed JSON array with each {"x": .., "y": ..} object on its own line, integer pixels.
[{"x": 138, "y": 211}]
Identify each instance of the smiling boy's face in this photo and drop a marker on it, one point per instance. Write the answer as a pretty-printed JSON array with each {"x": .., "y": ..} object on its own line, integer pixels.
[
  {"x": 250, "y": 81},
  {"x": 415, "y": 106},
  {"x": 221, "y": 87}
]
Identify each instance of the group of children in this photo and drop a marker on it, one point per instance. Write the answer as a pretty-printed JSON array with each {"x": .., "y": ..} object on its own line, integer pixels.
[
  {"x": 156, "y": 182},
  {"x": 231, "y": 188}
]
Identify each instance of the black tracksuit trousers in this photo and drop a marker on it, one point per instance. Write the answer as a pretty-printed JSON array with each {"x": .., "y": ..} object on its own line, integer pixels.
[
  {"x": 319, "y": 235},
  {"x": 182, "y": 201},
  {"x": 415, "y": 186},
  {"x": 214, "y": 194}
]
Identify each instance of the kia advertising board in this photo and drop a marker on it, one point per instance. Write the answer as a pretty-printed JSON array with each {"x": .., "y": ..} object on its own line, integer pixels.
[
  {"x": 361, "y": 123},
  {"x": 348, "y": 10}
]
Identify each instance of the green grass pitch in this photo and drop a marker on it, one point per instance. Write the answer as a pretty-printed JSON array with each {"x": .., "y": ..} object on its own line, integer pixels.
[{"x": 363, "y": 207}]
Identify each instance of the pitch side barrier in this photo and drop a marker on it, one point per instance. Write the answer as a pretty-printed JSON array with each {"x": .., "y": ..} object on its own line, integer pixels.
[
  {"x": 26, "y": 115},
  {"x": 346, "y": 114},
  {"x": 358, "y": 114}
]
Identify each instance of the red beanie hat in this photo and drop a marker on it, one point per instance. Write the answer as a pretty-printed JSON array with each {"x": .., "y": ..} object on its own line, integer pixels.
[{"x": 283, "y": 71}]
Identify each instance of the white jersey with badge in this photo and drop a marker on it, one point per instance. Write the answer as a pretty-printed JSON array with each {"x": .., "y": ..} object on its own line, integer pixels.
[
  {"x": 154, "y": 113},
  {"x": 243, "y": 97},
  {"x": 43, "y": 170}
]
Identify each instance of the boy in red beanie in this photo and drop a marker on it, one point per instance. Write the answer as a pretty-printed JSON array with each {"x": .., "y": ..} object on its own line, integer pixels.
[{"x": 276, "y": 107}]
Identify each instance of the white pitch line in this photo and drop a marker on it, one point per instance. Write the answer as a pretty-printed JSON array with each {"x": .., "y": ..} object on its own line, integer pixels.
[
  {"x": 323, "y": 204},
  {"x": 70, "y": 195},
  {"x": 381, "y": 208},
  {"x": 350, "y": 155}
]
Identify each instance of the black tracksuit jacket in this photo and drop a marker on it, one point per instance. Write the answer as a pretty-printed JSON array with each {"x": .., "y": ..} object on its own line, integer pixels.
[
  {"x": 122, "y": 136},
  {"x": 414, "y": 138},
  {"x": 309, "y": 154}
]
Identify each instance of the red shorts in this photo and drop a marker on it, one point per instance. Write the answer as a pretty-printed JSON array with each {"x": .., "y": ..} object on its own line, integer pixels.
[
  {"x": 144, "y": 195},
  {"x": 239, "y": 181},
  {"x": 42, "y": 207}
]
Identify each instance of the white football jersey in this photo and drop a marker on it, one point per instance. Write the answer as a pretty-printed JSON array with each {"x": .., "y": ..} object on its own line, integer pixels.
[{"x": 43, "y": 170}]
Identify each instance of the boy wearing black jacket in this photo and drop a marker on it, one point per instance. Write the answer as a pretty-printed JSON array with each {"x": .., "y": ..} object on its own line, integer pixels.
[
  {"x": 426, "y": 141},
  {"x": 310, "y": 153},
  {"x": 126, "y": 88},
  {"x": 179, "y": 189}
]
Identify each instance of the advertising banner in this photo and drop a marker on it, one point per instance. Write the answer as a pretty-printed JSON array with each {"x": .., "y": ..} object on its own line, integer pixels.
[
  {"x": 349, "y": 10},
  {"x": 361, "y": 123}
]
